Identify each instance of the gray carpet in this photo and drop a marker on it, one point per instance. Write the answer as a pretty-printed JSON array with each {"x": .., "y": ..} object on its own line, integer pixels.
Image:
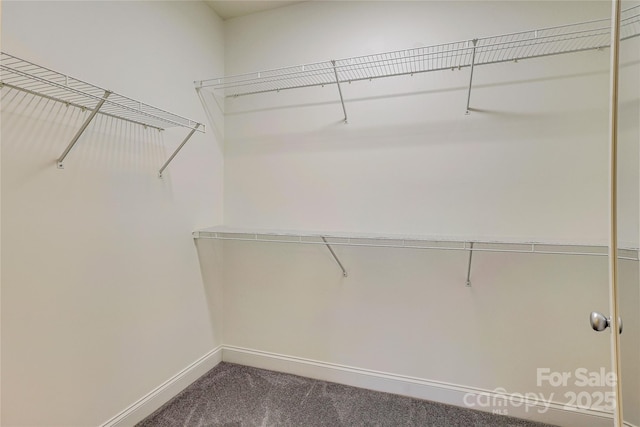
[{"x": 237, "y": 396}]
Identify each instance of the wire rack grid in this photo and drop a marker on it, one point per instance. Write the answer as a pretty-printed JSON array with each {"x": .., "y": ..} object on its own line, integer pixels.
[
  {"x": 570, "y": 38},
  {"x": 413, "y": 242},
  {"x": 32, "y": 78}
]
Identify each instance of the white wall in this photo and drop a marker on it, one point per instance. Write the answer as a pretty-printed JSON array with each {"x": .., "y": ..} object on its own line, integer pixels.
[
  {"x": 531, "y": 162},
  {"x": 102, "y": 294},
  {"x": 410, "y": 160},
  {"x": 408, "y": 312}
]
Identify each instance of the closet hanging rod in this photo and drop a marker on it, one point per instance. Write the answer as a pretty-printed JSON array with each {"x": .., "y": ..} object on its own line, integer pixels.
[
  {"x": 571, "y": 38},
  {"x": 26, "y": 76}
]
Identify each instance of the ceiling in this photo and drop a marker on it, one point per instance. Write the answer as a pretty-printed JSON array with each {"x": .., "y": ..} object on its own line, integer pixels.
[{"x": 227, "y": 9}]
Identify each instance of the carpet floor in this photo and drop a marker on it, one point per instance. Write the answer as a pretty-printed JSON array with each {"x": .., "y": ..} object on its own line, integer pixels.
[{"x": 232, "y": 395}]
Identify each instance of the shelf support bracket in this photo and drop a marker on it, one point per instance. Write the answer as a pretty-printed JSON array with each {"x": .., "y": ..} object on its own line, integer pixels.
[
  {"x": 178, "y": 149},
  {"x": 84, "y": 126},
  {"x": 473, "y": 61},
  {"x": 344, "y": 272},
  {"x": 469, "y": 267},
  {"x": 335, "y": 72}
]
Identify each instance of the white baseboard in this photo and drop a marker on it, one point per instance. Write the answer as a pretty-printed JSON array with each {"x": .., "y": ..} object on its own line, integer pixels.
[
  {"x": 514, "y": 405},
  {"x": 153, "y": 400},
  {"x": 451, "y": 394}
]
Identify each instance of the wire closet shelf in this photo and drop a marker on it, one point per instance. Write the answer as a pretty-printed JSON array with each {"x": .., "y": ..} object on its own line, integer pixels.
[
  {"x": 557, "y": 40},
  {"x": 411, "y": 242},
  {"x": 29, "y": 77},
  {"x": 408, "y": 242}
]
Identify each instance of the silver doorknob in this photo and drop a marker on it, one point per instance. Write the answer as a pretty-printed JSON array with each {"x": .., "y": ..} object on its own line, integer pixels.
[{"x": 599, "y": 322}]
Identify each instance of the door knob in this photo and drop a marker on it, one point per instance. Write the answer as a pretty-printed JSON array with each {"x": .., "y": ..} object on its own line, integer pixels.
[{"x": 599, "y": 322}]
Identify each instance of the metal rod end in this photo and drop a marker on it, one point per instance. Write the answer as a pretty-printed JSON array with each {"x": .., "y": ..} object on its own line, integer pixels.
[
  {"x": 60, "y": 165},
  {"x": 467, "y": 113},
  {"x": 160, "y": 175},
  {"x": 345, "y": 274},
  {"x": 468, "y": 283}
]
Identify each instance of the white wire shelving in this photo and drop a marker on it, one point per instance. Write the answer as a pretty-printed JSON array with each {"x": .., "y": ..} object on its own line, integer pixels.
[
  {"x": 375, "y": 240},
  {"x": 29, "y": 77},
  {"x": 518, "y": 46}
]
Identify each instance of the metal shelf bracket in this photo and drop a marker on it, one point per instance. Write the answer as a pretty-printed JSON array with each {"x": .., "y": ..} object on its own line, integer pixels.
[
  {"x": 335, "y": 257},
  {"x": 473, "y": 61},
  {"x": 164, "y": 166},
  {"x": 335, "y": 72},
  {"x": 84, "y": 126},
  {"x": 469, "y": 267}
]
